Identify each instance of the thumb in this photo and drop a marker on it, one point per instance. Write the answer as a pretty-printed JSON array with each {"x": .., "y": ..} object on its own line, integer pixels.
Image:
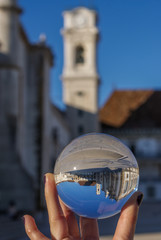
[{"x": 126, "y": 224}]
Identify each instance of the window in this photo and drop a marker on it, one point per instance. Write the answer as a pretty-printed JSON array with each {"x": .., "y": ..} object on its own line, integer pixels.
[
  {"x": 79, "y": 55},
  {"x": 150, "y": 192},
  {"x": 12, "y": 128},
  {"x": 55, "y": 135},
  {"x": 147, "y": 147},
  {"x": 132, "y": 147},
  {"x": 80, "y": 113},
  {"x": 80, "y": 129},
  {"x": 126, "y": 186},
  {"x": 127, "y": 176},
  {"x": 80, "y": 93}
]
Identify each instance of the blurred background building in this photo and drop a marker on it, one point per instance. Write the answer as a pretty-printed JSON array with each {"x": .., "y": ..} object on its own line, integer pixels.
[
  {"x": 24, "y": 110},
  {"x": 27, "y": 127},
  {"x": 134, "y": 117},
  {"x": 33, "y": 131}
]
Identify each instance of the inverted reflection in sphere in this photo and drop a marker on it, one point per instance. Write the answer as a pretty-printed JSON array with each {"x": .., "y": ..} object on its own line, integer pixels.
[{"x": 95, "y": 175}]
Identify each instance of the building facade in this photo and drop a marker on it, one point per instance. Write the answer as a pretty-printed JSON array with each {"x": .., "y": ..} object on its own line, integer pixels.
[
  {"x": 133, "y": 117},
  {"x": 25, "y": 126}
]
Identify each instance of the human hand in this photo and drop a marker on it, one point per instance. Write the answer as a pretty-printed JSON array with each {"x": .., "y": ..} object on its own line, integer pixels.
[{"x": 63, "y": 224}]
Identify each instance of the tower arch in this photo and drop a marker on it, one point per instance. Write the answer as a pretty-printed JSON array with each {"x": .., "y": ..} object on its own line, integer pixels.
[{"x": 79, "y": 55}]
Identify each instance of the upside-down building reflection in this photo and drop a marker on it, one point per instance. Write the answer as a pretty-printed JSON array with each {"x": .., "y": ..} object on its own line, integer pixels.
[{"x": 116, "y": 184}]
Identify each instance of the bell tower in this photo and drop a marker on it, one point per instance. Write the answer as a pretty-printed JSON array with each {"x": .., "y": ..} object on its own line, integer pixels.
[{"x": 80, "y": 78}]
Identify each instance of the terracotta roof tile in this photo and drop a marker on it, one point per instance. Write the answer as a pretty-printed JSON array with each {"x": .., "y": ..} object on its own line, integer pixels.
[{"x": 121, "y": 104}]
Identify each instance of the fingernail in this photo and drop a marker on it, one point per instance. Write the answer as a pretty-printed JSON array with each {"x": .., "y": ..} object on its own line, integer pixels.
[
  {"x": 139, "y": 199},
  {"x": 44, "y": 179},
  {"x": 23, "y": 220}
]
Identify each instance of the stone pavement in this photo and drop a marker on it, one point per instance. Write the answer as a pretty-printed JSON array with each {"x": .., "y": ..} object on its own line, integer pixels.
[
  {"x": 148, "y": 225},
  {"x": 149, "y": 236}
]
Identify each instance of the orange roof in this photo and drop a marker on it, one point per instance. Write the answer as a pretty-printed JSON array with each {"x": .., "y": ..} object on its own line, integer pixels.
[{"x": 121, "y": 104}]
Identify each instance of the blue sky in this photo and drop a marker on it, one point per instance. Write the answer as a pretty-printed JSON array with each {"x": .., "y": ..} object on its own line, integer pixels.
[
  {"x": 129, "y": 49},
  {"x": 84, "y": 201}
]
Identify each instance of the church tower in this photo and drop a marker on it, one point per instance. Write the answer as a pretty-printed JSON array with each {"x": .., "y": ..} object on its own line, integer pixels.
[{"x": 80, "y": 78}]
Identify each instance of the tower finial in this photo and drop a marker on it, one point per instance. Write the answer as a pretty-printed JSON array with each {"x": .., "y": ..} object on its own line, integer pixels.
[{"x": 42, "y": 39}]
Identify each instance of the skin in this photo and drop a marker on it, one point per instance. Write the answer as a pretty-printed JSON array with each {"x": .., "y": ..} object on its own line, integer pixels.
[{"x": 63, "y": 224}]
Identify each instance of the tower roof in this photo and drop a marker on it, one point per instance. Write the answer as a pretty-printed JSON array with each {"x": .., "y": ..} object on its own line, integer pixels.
[{"x": 80, "y": 9}]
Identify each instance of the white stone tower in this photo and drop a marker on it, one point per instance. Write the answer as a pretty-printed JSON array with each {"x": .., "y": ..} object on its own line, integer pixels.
[
  {"x": 80, "y": 78},
  {"x": 9, "y": 28}
]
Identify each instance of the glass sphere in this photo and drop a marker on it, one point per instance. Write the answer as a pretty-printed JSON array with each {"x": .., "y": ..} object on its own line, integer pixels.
[{"x": 95, "y": 175}]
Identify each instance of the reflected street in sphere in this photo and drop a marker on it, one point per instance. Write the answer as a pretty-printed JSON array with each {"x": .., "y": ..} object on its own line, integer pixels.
[{"x": 95, "y": 175}]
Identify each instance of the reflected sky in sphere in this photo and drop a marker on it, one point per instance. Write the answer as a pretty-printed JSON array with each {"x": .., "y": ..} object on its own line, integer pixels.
[
  {"x": 84, "y": 201},
  {"x": 95, "y": 175}
]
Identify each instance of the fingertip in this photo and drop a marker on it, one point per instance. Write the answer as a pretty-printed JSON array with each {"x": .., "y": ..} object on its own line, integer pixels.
[
  {"x": 31, "y": 228},
  {"x": 28, "y": 219},
  {"x": 29, "y": 223},
  {"x": 50, "y": 185},
  {"x": 25, "y": 218},
  {"x": 49, "y": 178},
  {"x": 135, "y": 199}
]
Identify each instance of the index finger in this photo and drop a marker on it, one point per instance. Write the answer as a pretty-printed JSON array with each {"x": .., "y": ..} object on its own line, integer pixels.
[{"x": 57, "y": 220}]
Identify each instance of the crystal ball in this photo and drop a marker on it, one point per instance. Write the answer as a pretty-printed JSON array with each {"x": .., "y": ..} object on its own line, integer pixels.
[{"x": 95, "y": 175}]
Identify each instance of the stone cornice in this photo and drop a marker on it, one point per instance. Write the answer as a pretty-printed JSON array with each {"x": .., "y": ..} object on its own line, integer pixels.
[
  {"x": 8, "y": 66},
  {"x": 133, "y": 131},
  {"x": 11, "y": 8},
  {"x": 89, "y": 30}
]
